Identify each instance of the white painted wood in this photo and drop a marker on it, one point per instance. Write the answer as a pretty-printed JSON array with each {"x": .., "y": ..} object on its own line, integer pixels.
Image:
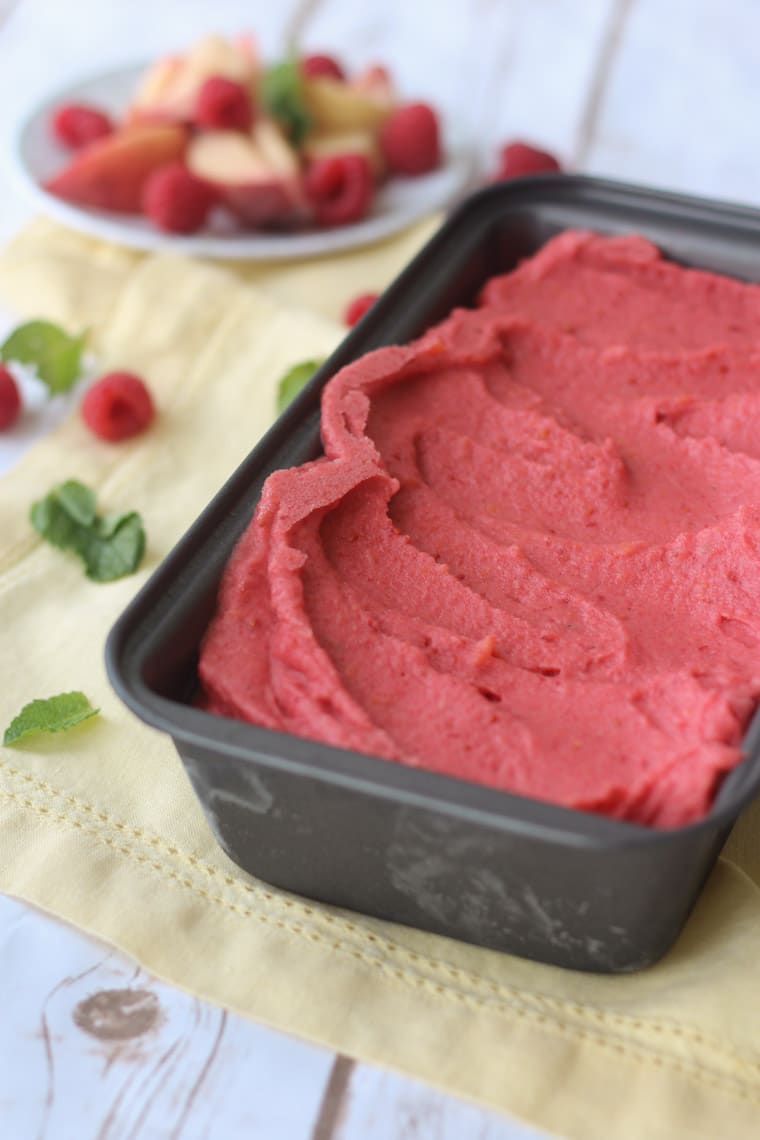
[
  {"x": 75, "y": 1064},
  {"x": 680, "y": 110},
  {"x": 384, "y": 1106},
  {"x": 91, "y": 1047}
]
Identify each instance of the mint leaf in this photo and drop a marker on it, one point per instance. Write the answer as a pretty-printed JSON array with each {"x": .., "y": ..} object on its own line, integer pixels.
[
  {"x": 52, "y": 521},
  {"x": 78, "y": 501},
  {"x": 281, "y": 92},
  {"x": 294, "y": 380},
  {"x": 56, "y": 355},
  {"x": 55, "y": 714},
  {"x": 109, "y": 524},
  {"x": 110, "y": 546}
]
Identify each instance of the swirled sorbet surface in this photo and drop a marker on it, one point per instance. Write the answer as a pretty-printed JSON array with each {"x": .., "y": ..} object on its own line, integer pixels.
[{"x": 529, "y": 556}]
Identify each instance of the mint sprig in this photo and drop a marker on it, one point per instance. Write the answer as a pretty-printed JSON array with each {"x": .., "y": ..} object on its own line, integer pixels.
[
  {"x": 110, "y": 546},
  {"x": 294, "y": 380},
  {"x": 55, "y": 354},
  {"x": 53, "y": 714},
  {"x": 281, "y": 92}
]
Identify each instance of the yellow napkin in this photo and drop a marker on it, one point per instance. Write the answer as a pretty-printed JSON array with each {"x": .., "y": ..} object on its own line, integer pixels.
[{"x": 100, "y": 826}]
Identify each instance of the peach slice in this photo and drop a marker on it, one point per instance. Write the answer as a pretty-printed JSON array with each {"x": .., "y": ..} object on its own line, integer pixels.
[
  {"x": 110, "y": 174},
  {"x": 152, "y": 102},
  {"x": 169, "y": 89},
  {"x": 375, "y": 81},
  {"x": 336, "y": 106},
  {"x": 275, "y": 148},
  {"x": 256, "y": 176},
  {"x": 346, "y": 142}
]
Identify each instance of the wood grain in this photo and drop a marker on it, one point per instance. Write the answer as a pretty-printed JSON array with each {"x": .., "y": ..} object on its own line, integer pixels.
[
  {"x": 334, "y": 1101},
  {"x": 93, "y": 1048},
  {"x": 385, "y": 1106},
  {"x": 607, "y": 55},
  {"x": 148, "y": 1060}
]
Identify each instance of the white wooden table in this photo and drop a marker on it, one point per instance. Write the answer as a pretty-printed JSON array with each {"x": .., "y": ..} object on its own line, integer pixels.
[{"x": 664, "y": 92}]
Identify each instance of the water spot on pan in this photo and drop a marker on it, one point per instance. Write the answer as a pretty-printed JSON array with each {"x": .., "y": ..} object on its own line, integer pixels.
[
  {"x": 455, "y": 878},
  {"x": 243, "y": 788}
]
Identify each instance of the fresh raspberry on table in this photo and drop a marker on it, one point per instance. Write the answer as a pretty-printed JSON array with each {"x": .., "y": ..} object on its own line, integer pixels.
[
  {"x": 519, "y": 158},
  {"x": 322, "y": 67},
  {"x": 355, "y": 309},
  {"x": 117, "y": 406},
  {"x": 224, "y": 105},
  {"x": 339, "y": 188},
  {"x": 10, "y": 400},
  {"x": 176, "y": 200},
  {"x": 77, "y": 124},
  {"x": 410, "y": 139}
]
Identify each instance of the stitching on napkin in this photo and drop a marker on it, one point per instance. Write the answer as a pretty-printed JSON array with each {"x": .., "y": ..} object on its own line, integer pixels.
[
  {"x": 692, "y": 1070},
  {"x": 157, "y": 843},
  {"x": 116, "y": 830}
]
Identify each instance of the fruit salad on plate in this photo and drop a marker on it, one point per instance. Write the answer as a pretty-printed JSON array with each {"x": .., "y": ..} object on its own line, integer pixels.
[{"x": 301, "y": 144}]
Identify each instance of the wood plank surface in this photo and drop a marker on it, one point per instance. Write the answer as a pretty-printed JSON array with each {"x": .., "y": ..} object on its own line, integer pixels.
[
  {"x": 680, "y": 108},
  {"x": 94, "y": 1048}
]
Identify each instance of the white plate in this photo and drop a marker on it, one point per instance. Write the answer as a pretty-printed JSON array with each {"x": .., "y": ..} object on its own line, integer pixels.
[{"x": 36, "y": 156}]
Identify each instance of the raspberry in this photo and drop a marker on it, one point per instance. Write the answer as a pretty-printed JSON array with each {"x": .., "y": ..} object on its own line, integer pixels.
[
  {"x": 410, "y": 139},
  {"x": 518, "y": 158},
  {"x": 355, "y": 310},
  {"x": 117, "y": 406},
  {"x": 340, "y": 188},
  {"x": 222, "y": 104},
  {"x": 176, "y": 200},
  {"x": 10, "y": 400},
  {"x": 77, "y": 124},
  {"x": 322, "y": 67}
]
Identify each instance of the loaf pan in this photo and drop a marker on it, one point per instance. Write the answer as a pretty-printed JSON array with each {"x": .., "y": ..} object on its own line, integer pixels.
[{"x": 560, "y": 886}]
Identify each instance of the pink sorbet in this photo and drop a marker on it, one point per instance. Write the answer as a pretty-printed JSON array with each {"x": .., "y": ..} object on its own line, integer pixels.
[{"x": 529, "y": 556}]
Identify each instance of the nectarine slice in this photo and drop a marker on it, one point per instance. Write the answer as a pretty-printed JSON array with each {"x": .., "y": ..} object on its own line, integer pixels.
[
  {"x": 346, "y": 142},
  {"x": 257, "y": 177},
  {"x": 110, "y": 174},
  {"x": 168, "y": 90},
  {"x": 337, "y": 106}
]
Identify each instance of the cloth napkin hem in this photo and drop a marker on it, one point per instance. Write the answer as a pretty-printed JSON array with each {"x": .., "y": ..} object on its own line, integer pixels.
[
  {"x": 274, "y": 908},
  {"x": 649, "y": 1092}
]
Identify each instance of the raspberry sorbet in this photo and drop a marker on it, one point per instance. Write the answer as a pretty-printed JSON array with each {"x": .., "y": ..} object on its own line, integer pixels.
[{"x": 529, "y": 557}]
